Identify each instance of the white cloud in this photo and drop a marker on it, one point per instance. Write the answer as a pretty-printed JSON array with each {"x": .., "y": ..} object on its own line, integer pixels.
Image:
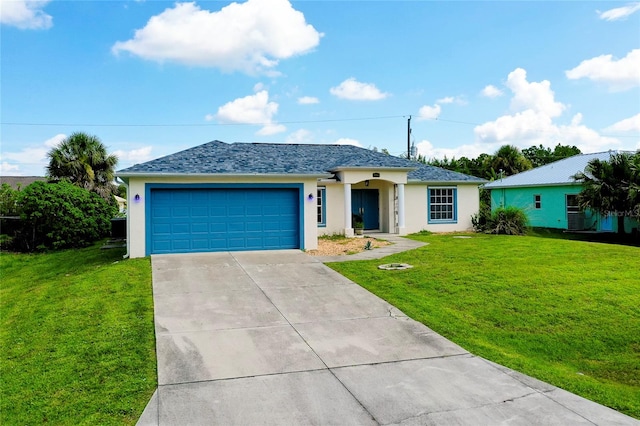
[
  {"x": 271, "y": 129},
  {"x": 31, "y": 159},
  {"x": 348, "y": 141},
  {"x": 308, "y": 100},
  {"x": 7, "y": 169},
  {"x": 299, "y": 136},
  {"x": 491, "y": 91},
  {"x": 529, "y": 127},
  {"x": 134, "y": 156},
  {"x": 252, "y": 109},
  {"x": 55, "y": 141},
  {"x": 427, "y": 150},
  {"x": 250, "y": 37},
  {"x": 25, "y": 14},
  {"x": 536, "y": 96},
  {"x": 531, "y": 123},
  {"x": 258, "y": 87},
  {"x": 429, "y": 112},
  {"x": 631, "y": 124},
  {"x": 356, "y": 91},
  {"x": 619, "y": 12},
  {"x": 621, "y": 74},
  {"x": 460, "y": 100},
  {"x": 447, "y": 100}
]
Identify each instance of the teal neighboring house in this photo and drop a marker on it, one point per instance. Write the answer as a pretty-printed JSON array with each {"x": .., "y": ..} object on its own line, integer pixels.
[{"x": 547, "y": 194}]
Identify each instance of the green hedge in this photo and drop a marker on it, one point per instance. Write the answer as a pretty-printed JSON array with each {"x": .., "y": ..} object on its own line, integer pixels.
[{"x": 60, "y": 215}]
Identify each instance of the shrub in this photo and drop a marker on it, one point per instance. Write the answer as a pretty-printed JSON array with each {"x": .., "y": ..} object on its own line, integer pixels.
[
  {"x": 61, "y": 215},
  {"x": 507, "y": 220},
  {"x": 8, "y": 200},
  {"x": 479, "y": 220}
]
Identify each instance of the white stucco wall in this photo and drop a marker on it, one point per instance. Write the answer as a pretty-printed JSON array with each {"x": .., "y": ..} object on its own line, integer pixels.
[
  {"x": 468, "y": 203},
  {"x": 359, "y": 175},
  {"x": 136, "y": 223},
  {"x": 334, "y": 204}
]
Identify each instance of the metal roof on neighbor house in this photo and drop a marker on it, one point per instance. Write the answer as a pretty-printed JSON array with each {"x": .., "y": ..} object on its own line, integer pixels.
[
  {"x": 218, "y": 157},
  {"x": 556, "y": 173}
]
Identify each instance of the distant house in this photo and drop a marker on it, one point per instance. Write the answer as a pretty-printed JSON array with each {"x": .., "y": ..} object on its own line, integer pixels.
[
  {"x": 122, "y": 204},
  {"x": 547, "y": 194},
  {"x": 20, "y": 182},
  {"x": 259, "y": 196}
]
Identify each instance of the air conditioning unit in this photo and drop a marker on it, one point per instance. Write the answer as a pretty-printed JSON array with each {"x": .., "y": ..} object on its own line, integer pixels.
[{"x": 575, "y": 221}]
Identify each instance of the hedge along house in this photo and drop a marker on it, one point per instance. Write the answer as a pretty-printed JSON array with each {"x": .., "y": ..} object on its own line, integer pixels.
[
  {"x": 548, "y": 194},
  {"x": 261, "y": 196}
]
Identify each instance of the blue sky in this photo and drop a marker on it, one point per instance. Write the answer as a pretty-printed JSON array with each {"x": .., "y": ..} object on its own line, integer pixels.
[{"x": 150, "y": 78}]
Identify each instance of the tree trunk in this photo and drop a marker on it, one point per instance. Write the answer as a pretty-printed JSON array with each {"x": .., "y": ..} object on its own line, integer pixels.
[{"x": 621, "y": 225}]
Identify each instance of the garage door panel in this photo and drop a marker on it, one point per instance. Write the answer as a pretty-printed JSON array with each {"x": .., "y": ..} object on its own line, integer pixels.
[
  {"x": 162, "y": 212},
  {"x": 181, "y": 228},
  {"x": 162, "y": 228},
  {"x": 200, "y": 228},
  {"x": 217, "y": 211},
  {"x": 180, "y": 212},
  {"x": 219, "y": 227},
  {"x": 197, "y": 220},
  {"x": 200, "y": 244},
  {"x": 181, "y": 244},
  {"x": 254, "y": 211},
  {"x": 199, "y": 211},
  {"x": 236, "y": 211}
]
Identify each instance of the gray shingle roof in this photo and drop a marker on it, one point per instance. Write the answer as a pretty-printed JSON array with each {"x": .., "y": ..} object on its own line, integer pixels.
[
  {"x": 556, "y": 173},
  {"x": 426, "y": 173},
  {"x": 278, "y": 158},
  {"x": 21, "y": 182}
]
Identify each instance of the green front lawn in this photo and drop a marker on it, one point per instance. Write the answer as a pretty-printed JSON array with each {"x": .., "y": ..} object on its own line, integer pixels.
[
  {"x": 76, "y": 338},
  {"x": 566, "y": 312}
]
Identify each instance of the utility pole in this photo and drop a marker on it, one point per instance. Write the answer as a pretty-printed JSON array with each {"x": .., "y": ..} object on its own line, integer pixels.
[{"x": 409, "y": 138}]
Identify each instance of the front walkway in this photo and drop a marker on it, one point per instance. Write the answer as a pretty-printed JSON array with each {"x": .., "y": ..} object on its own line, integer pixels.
[
  {"x": 399, "y": 245},
  {"x": 278, "y": 338}
]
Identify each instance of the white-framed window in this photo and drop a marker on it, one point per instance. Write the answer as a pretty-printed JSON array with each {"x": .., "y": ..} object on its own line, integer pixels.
[
  {"x": 537, "y": 201},
  {"x": 321, "y": 199},
  {"x": 442, "y": 205}
]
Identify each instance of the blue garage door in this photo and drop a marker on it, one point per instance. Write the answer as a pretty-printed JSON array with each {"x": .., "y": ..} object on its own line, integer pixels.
[{"x": 202, "y": 220}]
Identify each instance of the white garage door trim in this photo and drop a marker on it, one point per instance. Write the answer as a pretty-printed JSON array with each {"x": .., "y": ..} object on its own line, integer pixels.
[{"x": 149, "y": 187}]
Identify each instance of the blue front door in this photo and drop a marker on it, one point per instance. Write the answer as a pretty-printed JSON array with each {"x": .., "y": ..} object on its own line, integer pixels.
[
  {"x": 365, "y": 205},
  {"x": 606, "y": 223},
  {"x": 223, "y": 219}
]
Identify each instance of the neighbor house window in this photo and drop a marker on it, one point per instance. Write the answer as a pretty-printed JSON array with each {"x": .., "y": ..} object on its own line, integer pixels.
[
  {"x": 537, "y": 201},
  {"x": 572, "y": 204},
  {"x": 321, "y": 199},
  {"x": 442, "y": 205}
]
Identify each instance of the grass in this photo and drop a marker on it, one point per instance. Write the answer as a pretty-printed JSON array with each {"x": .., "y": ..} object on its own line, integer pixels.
[
  {"x": 76, "y": 337},
  {"x": 566, "y": 312}
]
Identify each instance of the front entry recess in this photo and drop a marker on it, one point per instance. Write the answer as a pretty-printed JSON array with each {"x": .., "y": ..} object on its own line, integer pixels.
[{"x": 365, "y": 204}]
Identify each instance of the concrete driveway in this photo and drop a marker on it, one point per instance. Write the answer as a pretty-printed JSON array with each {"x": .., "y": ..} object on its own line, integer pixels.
[{"x": 279, "y": 338}]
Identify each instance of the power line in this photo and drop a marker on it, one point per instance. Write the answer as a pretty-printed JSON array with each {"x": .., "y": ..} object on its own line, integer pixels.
[
  {"x": 334, "y": 120},
  {"x": 197, "y": 124}
]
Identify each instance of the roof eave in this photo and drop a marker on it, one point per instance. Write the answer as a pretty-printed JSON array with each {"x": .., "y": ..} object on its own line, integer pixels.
[
  {"x": 360, "y": 168},
  {"x": 534, "y": 185},
  {"x": 222, "y": 175},
  {"x": 456, "y": 182}
]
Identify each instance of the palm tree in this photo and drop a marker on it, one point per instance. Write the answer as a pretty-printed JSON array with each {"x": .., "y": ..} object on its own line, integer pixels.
[
  {"x": 83, "y": 160},
  {"x": 509, "y": 160},
  {"x": 610, "y": 187}
]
